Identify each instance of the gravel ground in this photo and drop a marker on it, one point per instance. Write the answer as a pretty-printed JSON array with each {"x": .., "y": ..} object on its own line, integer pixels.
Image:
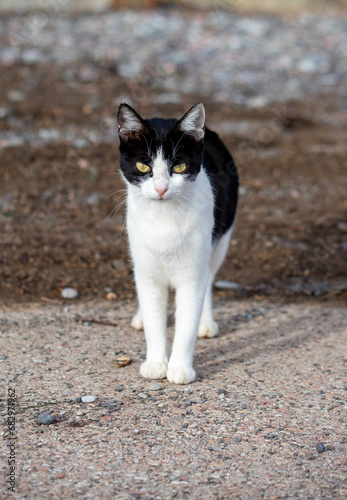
[
  {"x": 218, "y": 54},
  {"x": 266, "y": 417}
]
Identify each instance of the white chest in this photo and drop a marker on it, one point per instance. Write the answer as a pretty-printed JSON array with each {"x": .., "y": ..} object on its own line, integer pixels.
[{"x": 179, "y": 228}]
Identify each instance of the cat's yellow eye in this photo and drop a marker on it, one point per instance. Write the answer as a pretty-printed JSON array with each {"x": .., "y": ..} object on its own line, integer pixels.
[
  {"x": 179, "y": 169},
  {"x": 142, "y": 167}
]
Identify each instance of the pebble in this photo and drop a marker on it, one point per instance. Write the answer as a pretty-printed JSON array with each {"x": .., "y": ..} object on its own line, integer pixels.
[
  {"x": 69, "y": 293},
  {"x": 4, "y": 112},
  {"x": 228, "y": 285},
  {"x": 15, "y": 96},
  {"x": 320, "y": 447},
  {"x": 31, "y": 56},
  {"x": 142, "y": 395},
  {"x": 271, "y": 435},
  {"x": 93, "y": 199},
  {"x": 88, "y": 399},
  {"x": 45, "y": 418},
  {"x": 155, "y": 387}
]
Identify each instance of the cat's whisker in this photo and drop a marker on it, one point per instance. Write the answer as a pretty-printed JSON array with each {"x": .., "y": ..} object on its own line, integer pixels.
[
  {"x": 115, "y": 192},
  {"x": 115, "y": 210},
  {"x": 175, "y": 149},
  {"x": 148, "y": 148}
]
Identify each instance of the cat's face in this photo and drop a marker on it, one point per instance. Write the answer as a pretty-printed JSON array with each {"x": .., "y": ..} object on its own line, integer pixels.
[{"x": 160, "y": 157}]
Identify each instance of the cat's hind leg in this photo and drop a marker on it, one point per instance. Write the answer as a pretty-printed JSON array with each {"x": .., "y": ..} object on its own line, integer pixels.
[
  {"x": 136, "y": 321},
  {"x": 208, "y": 327}
]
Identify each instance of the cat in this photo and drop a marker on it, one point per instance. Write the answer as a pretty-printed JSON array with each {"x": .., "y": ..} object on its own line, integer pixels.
[{"x": 182, "y": 187}]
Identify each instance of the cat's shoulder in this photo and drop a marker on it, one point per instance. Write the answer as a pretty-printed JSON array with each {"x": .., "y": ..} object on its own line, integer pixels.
[{"x": 215, "y": 154}]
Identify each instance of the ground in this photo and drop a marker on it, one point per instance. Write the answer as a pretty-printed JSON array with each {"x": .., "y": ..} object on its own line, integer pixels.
[
  {"x": 62, "y": 219},
  {"x": 266, "y": 416}
]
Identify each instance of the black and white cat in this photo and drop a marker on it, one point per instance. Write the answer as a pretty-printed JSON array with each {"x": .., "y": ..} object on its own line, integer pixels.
[{"x": 181, "y": 200}]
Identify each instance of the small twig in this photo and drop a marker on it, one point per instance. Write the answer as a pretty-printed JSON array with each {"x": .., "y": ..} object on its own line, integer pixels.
[
  {"x": 80, "y": 319},
  {"x": 52, "y": 301}
]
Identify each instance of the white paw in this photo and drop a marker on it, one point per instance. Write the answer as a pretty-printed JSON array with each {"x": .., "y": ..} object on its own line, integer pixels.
[
  {"x": 180, "y": 375},
  {"x": 208, "y": 329},
  {"x": 136, "y": 322},
  {"x": 153, "y": 369}
]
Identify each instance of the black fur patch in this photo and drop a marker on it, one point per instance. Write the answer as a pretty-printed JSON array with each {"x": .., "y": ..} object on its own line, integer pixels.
[{"x": 179, "y": 147}]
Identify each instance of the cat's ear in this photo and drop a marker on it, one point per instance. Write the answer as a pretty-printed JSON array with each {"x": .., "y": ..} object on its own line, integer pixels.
[
  {"x": 130, "y": 123},
  {"x": 193, "y": 122}
]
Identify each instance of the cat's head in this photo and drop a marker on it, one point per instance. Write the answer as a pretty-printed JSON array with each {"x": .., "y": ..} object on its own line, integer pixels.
[{"x": 161, "y": 157}]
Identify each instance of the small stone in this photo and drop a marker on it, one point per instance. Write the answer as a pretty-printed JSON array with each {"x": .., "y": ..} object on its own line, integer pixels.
[
  {"x": 109, "y": 406},
  {"x": 15, "y": 96},
  {"x": 69, "y": 293},
  {"x": 119, "y": 264},
  {"x": 308, "y": 65},
  {"x": 142, "y": 395},
  {"x": 93, "y": 199},
  {"x": 2, "y": 357},
  {"x": 31, "y": 56},
  {"x": 228, "y": 285},
  {"x": 155, "y": 387},
  {"x": 179, "y": 411},
  {"x": 45, "y": 418},
  {"x": 320, "y": 447},
  {"x": 257, "y": 102},
  {"x": 4, "y": 112},
  {"x": 88, "y": 399}
]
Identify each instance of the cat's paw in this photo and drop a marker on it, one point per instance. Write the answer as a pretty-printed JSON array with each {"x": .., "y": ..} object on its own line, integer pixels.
[
  {"x": 180, "y": 375},
  {"x": 136, "y": 322},
  {"x": 153, "y": 369},
  {"x": 208, "y": 330}
]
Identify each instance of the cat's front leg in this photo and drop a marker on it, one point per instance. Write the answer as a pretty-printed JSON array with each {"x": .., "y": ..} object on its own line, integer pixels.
[
  {"x": 153, "y": 306},
  {"x": 189, "y": 302}
]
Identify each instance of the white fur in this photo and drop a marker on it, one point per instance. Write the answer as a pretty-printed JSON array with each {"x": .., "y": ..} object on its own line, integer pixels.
[
  {"x": 162, "y": 180},
  {"x": 208, "y": 327},
  {"x": 194, "y": 121},
  {"x": 170, "y": 242},
  {"x": 131, "y": 122}
]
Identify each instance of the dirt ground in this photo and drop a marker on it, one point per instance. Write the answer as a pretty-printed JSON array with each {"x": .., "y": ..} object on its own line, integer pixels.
[{"x": 61, "y": 212}]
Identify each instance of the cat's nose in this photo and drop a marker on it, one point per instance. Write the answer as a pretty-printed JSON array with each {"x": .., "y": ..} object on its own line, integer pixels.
[{"x": 161, "y": 191}]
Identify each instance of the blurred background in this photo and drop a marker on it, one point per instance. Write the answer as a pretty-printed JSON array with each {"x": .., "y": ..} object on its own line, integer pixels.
[{"x": 273, "y": 81}]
